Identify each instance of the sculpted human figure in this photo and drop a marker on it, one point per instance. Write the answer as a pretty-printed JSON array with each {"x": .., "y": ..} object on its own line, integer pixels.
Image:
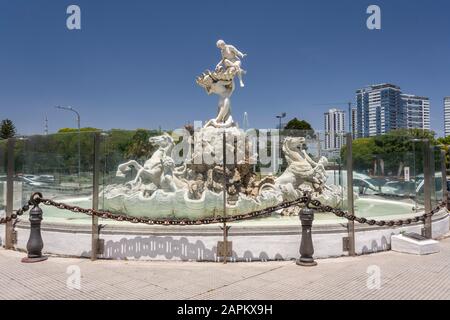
[
  {"x": 224, "y": 89},
  {"x": 221, "y": 83},
  {"x": 231, "y": 58}
]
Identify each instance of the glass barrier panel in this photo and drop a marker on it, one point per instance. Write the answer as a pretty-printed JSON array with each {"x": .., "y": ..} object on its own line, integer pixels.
[
  {"x": 128, "y": 158},
  {"x": 118, "y": 148},
  {"x": 3, "y": 171},
  {"x": 333, "y": 149},
  {"x": 438, "y": 180},
  {"x": 385, "y": 177},
  {"x": 60, "y": 166}
]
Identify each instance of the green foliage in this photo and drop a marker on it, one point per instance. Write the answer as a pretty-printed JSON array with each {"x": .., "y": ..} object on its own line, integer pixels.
[
  {"x": 394, "y": 150},
  {"x": 298, "y": 128},
  {"x": 57, "y": 154},
  {"x": 72, "y": 130},
  {"x": 296, "y": 124},
  {"x": 444, "y": 143},
  {"x": 7, "y": 129},
  {"x": 363, "y": 153},
  {"x": 139, "y": 147}
]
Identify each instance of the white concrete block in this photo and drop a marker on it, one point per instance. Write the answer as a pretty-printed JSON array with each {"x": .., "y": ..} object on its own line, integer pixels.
[{"x": 403, "y": 244}]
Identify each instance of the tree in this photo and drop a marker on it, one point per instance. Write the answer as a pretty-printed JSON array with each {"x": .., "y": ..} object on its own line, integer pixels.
[
  {"x": 7, "y": 130},
  {"x": 298, "y": 128},
  {"x": 444, "y": 143},
  {"x": 400, "y": 147},
  {"x": 364, "y": 150},
  {"x": 419, "y": 134},
  {"x": 296, "y": 124},
  {"x": 391, "y": 152},
  {"x": 75, "y": 130},
  {"x": 140, "y": 147}
]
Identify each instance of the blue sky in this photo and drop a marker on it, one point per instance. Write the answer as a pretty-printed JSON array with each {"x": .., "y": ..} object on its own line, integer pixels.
[{"x": 134, "y": 63}]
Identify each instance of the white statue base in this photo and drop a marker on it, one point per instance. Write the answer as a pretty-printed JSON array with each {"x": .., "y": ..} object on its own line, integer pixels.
[
  {"x": 178, "y": 205},
  {"x": 400, "y": 243}
]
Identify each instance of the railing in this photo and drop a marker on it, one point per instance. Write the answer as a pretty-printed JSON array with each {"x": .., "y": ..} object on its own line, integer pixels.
[
  {"x": 35, "y": 243},
  {"x": 423, "y": 159}
]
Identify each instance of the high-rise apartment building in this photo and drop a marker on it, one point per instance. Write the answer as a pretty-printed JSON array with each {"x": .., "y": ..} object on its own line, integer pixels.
[
  {"x": 417, "y": 111},
  {"x": 379, "y": 110},
  {"x": 354, "y": 123},
  {"x": 334, "y": 121},
  {"x": 383, "y": 107},
  {"x": 447, "y": 116}
]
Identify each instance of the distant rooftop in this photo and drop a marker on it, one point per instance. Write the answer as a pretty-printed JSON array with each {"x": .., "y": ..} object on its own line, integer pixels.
[
  {"x": 385, "y": 85},
  {"x": 413, "y": 96},
  {"x": 334, "y": 110},
  {"x": 379, "y": 86}
]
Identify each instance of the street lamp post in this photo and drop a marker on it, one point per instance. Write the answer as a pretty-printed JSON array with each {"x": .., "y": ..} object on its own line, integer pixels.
[
  {"x": 281, "y": 116},
  {"x": 79, "y": 136}
]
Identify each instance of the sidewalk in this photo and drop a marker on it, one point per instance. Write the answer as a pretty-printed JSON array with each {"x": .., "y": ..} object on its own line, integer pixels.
[{"x": 402, "y": 277}]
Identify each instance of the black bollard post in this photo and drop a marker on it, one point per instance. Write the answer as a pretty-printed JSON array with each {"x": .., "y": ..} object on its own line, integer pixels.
[
  {"x": 35, "y": 243},
  {"x": 306, "y": 246}
]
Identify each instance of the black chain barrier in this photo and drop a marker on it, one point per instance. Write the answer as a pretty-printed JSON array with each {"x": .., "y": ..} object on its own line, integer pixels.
[
  {"x": 166, "y": 222},
  {"x": 35, "y": 199},
  {"x": 316, "y": 205}
]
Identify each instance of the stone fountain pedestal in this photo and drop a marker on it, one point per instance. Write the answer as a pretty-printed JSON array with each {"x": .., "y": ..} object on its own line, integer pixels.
[{"x": 404, "y": 244}]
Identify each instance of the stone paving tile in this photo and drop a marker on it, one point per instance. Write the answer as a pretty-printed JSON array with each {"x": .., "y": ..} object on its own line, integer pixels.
[{"x": 402, "y": 277}]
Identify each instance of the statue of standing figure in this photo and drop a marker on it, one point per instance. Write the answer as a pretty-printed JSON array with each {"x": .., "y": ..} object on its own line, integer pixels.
[
  {"x": 221, "y": 82},
  {"x": 231, "y": 60}
]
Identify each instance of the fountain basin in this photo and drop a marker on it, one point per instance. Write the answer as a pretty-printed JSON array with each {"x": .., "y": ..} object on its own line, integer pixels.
[{"x": 271, "y": 238}]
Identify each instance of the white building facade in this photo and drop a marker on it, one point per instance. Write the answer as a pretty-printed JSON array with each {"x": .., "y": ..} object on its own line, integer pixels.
[
  {"x": 417, "y": 111},
  {"x": 379, "y": 109},
  {"x": 334, "y": 124},
  {"x": 383, "y": 107},
  {"x": 447, "y": 116},
  {"x": 354, "y": 123}
]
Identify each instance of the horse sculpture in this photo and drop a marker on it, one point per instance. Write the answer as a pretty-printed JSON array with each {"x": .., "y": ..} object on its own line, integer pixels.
[
  {"x": 301, "y": 168},
  {"x": 153, "y": 168}
]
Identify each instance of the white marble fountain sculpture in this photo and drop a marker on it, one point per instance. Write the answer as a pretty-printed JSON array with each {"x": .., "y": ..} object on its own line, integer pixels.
[{"x": 193, "y": 189}]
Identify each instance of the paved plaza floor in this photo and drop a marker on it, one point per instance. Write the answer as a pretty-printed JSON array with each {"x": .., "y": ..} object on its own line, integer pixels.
[{"x": 387, "y": 275}]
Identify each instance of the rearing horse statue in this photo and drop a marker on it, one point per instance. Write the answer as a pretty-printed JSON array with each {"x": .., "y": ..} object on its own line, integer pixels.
[{"x": 152, "y": 169}]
